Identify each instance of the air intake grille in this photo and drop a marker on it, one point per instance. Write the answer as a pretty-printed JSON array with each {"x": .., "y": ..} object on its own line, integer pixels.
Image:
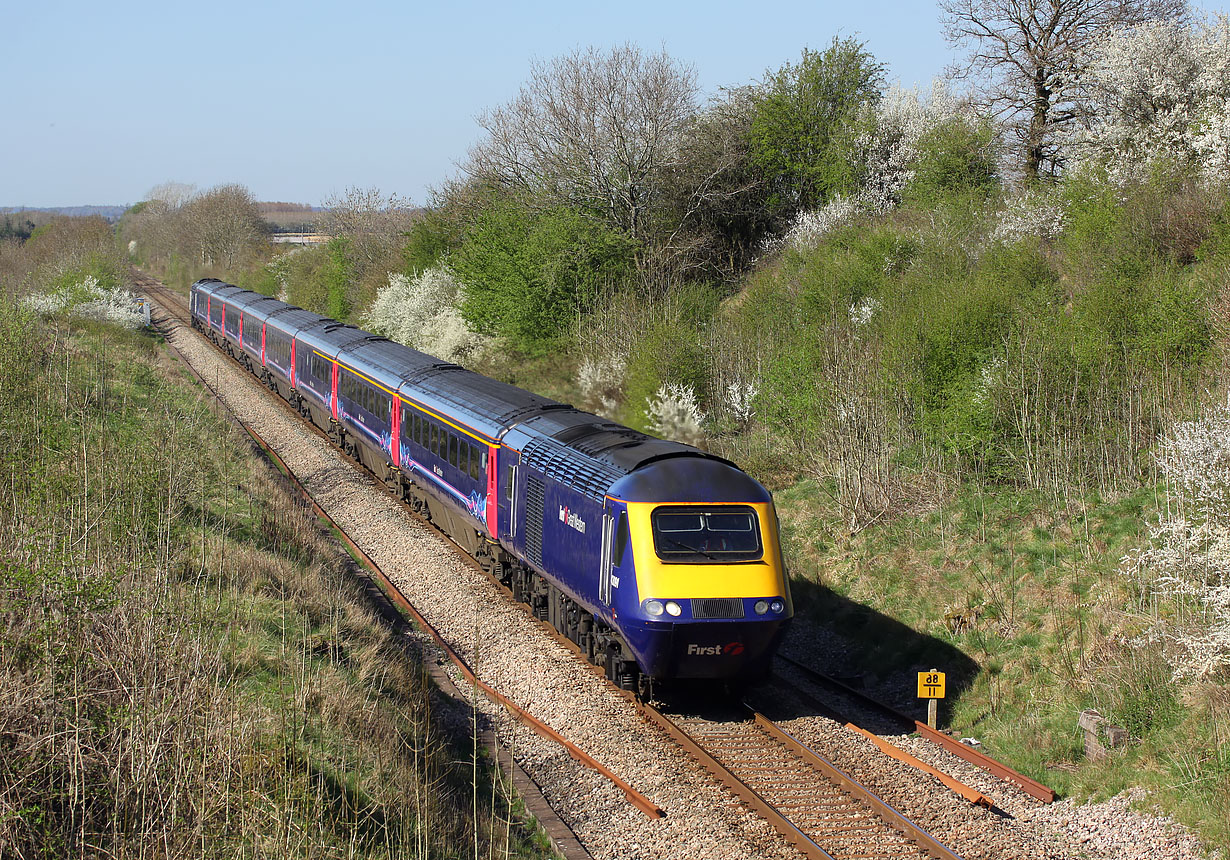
[
  {"x": 568, "y": 467},
  {"x": 717, "y": 607},
  {"x": 534, "y": 493}
]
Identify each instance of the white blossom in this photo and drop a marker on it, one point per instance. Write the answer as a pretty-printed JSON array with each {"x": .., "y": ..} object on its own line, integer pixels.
[
  {"x": 1030, "y": 214},
  {"x": 861, "y": 313},
  {"x": 279, "y": 267},
  {"x": 1188, "y": 556},
  {"x": 600, "y": 380},
  {"x": 674, "y": 414},
  {"x": 888, "y": 149},
  {"x": 740, "y": 399},
  {"x": 808, "y": 228},
  {"x": 1158, "y": 92},
  {"x": 421, "y": 312},
  {"x": 89, "y": 299}
]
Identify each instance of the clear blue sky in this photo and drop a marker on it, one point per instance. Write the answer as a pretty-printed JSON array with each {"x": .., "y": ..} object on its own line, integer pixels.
[{"x": 300, "y": 100}]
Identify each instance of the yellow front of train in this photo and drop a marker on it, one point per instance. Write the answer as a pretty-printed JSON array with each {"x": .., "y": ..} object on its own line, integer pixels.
[{"x": 712, "y": 599}]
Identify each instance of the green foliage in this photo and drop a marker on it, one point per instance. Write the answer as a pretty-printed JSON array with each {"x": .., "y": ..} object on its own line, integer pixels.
[
  {"x": 430, "y": 237},
  {"x": 525, "y": 274},
  {"x": 269, "y": 278},
  {"x": 668, "y": 349},
  {"x": 805, "y": 116},
  {"x": 956, "y": 161},
  {"x": 337, "y": 275}
]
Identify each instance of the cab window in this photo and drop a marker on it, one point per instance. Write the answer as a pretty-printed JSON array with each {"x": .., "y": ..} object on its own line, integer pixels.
[{"x": 706, "y": 535}]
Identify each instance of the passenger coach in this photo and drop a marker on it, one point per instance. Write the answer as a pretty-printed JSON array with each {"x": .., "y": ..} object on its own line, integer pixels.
[{"x": 660, "y": 561}]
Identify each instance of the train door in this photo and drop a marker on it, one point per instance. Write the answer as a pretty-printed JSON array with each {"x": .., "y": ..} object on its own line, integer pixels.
[
  {"x": 606, "y": 561},
  {"x": 510, "y": 479}
]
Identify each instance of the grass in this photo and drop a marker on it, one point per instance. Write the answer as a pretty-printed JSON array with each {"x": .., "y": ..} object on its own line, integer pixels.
[
  {"x": 1020, "y": 596},
  {"x": 187, "y": 666}
]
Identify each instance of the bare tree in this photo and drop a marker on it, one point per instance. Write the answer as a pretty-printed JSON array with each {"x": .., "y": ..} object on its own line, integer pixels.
[
  {"x": 373, "y": 224},
  {"x": 221, "y": 225},
  {"x": 1024, "y": 58},
  {"x": 172, "y": 194},
  {"x": 596, "y": 130}
]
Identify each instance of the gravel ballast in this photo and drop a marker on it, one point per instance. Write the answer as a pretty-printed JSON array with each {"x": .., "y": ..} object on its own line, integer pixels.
[{"x": 507, "y": 649}]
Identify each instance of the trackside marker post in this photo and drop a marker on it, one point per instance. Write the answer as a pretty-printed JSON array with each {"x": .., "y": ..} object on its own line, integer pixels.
[{"x": 931, "y": 688}]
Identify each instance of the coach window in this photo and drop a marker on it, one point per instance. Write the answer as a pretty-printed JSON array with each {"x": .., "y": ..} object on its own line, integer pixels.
[
  {"x": 452, "y": 450},
  {"x": 474, "y": 462}
]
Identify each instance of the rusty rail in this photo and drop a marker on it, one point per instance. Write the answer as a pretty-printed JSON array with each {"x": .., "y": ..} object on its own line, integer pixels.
[
  {"x": 776, "y": 817},
  {"x": 634, "y": 797},
  {"x": 975, "y": 757},
  {"x": 924, "y": 839}
]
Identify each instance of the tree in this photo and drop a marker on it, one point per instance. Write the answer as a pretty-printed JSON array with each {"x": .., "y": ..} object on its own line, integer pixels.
[
  {"x": 374, "y": 225},
  {"x": 804, "y": 124},
  {"x": 592, "y": 131},
  {"x": 222, "y": 225},
  {"x": 1155, "y": 93},
  {"x": 1024, "y": 57},
  {"x": 524, "y": 275},
  {"x": 715, "y": 216}
]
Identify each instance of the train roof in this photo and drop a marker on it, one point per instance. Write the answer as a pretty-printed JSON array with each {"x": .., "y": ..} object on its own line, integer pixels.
[
  {"x": 485, "y": 404},
  {"x": 683, "y": 479},
  {"x": 329, "y": 337},
  {"x": 261, "y": 309},
  {"x": 290, "y": 319},
  {"x": 210, "y": 285},
  {"x": 386, "y": 361},
  {"x": 243, "y": 299},
  {"x": 593, "y": 454}
]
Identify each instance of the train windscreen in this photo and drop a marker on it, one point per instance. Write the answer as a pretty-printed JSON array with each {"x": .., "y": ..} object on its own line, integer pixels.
[{"x": 707, "y": 535}]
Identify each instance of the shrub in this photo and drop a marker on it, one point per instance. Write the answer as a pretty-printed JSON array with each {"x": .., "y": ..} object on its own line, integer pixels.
[
  {"x": 673, "y": 413},
  {"x": 956, "y": 160},
  {"x": 421, "y": 312},
  {"x": 525, "y": 275}
]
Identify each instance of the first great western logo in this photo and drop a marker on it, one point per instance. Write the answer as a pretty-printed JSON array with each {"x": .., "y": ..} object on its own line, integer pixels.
[{"x": 570, "y": 519}]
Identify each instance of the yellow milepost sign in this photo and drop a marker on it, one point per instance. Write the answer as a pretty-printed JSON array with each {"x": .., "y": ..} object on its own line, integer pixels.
[{"x": 931, "y": 685}]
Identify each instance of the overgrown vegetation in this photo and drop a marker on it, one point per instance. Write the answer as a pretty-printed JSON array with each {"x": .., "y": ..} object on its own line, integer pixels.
[
  {"x": 187, "y": 668},
  {"x": 951, "y": 341}
]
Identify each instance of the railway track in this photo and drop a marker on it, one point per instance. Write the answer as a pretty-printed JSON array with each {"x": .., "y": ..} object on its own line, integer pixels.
[
  {"x": 902, "y": 723},
  {"x": 818, "y": 809}
]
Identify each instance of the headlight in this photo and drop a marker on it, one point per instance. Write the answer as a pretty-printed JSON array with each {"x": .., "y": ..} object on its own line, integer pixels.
[
  {"x": 777, "y": 606},
  {"x": 673, "y": 608},
  {"x": 654, "y": 607},
  {"x": 762, "y": 606}
]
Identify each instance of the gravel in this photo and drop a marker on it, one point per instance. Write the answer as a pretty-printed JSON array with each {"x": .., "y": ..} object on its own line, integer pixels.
[{"x": 507, "y": 649}]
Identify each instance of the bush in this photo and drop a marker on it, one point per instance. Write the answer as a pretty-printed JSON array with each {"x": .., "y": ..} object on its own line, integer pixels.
[
  {"x": 422, "y": 313},
  {"x": 525, "y": 275},
  {"x": 669, "y": 351},
  {"x": 956, "y": 161}
]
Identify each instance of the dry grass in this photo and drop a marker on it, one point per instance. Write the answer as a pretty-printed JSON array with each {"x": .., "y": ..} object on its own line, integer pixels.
[{"x": 186, "y": 667}]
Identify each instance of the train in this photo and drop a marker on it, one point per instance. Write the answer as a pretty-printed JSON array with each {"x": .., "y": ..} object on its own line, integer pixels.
[{"x": 660, "y": 561}]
